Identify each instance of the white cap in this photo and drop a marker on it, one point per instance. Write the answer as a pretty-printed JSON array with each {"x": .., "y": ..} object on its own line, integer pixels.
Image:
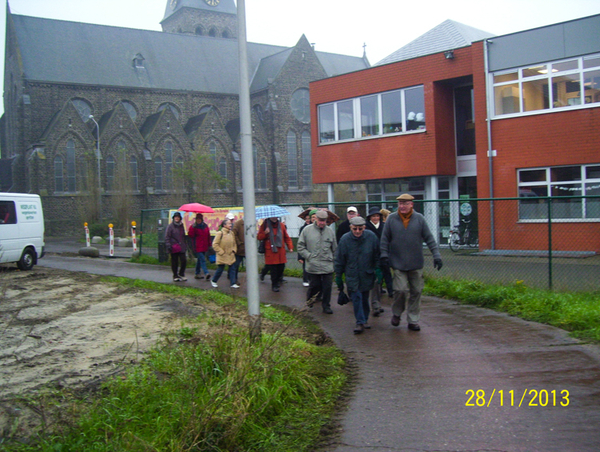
[
  {"x": 420, "y": 117},
  {"x": 411, "y": 116},
  {"x": 229, "y": 216},
  {"x": 351, "y": 209}
]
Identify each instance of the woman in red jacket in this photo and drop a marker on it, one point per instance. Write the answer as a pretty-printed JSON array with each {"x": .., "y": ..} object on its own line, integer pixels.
[
  {"x": 199, "y": 233},
  {"x": 276, "y": 239}
]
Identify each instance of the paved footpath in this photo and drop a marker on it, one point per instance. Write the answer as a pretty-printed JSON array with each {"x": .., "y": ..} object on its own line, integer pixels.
[{"x": 414, "y": 388}]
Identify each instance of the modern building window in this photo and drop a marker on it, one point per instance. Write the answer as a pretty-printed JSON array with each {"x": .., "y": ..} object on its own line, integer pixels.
[
  {"x": 168, "y": 165},
  {"x": 306, "y": 160},
  {"x": 58, "y": 174},
  {"x": 110, "y": 172},
  {"x": 576, "y": 180},
  {"x": 71, "y": 173},
  {"x": 390, "y": 112},
  {"x": 133, "y": 169},
  {"x": 292, "y": 153},
  {"x": 556, "y": 85},
  {"x": 158, "y": 174}
]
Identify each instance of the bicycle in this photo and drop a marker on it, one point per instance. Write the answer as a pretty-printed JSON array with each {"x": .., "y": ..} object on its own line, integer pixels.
[{"x": 467, "y": 238}]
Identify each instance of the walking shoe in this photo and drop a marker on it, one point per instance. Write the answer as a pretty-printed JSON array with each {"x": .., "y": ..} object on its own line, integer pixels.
[
  {"x": 197, "y": 276},
  {"x": 395, "y": 320},
  {"x": 359, "y": 328},
  {"x": 275, "y": 289},
  {"x": 381, "y": 310},
  {"x": 414, "y": 327},
  {"x": 183, "y": 278},
  {"x": 214, "y": 284},
  {"x": 177, "y": 279},
  {"x": 376, "y": 311},
  {"x": 207, "y": 276},
  {"x": 366, "y": 326},
  {"x": 327, "y": 310},
  {"x": 262, "y": 277},
  {"x": 235, "y": 286},
  {"x": 305, "y": 284}
]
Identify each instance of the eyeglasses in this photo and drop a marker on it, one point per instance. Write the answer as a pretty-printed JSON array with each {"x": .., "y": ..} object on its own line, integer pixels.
[{"x": 357, "y": 228}]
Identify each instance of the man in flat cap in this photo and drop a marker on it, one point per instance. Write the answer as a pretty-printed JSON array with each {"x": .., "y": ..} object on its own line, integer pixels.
[
  {"x": 357, "y": 257},
  {"x": 316, "y": 246},
  {"x": 402, "y": 250}
]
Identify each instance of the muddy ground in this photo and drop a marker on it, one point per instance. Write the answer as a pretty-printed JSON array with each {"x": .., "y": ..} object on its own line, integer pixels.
[{"x": 62, "y": 329}]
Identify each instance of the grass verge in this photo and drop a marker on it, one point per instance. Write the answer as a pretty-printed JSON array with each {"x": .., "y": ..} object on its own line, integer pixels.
[
  {"x": 205, "y": 387},
  {"x": 576, "y": 312}
]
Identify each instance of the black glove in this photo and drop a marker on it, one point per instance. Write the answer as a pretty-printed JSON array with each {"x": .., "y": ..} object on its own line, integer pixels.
[
  {"x": 437, "y": 263},
  {"x": 340, "y": 283},
  {"x": 384, "y": 262}
]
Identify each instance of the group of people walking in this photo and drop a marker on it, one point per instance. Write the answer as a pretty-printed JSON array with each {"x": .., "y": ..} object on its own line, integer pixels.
[{"x": 363, "y": 254}]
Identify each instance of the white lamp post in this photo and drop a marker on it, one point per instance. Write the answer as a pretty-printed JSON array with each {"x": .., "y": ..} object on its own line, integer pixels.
[{"x": 98, "y": 159}]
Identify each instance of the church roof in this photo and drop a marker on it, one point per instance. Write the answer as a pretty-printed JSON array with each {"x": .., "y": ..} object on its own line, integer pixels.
[
  {"x": 448, "y": 35},
  {"x": 77, "y": 53}
]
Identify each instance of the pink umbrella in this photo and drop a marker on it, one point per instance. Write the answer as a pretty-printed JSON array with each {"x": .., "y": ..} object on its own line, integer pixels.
[{"x": 196, "y": 208}]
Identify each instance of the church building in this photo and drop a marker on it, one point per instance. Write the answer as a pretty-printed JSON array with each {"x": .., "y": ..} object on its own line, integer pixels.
[{"x": 95, "y": 114}]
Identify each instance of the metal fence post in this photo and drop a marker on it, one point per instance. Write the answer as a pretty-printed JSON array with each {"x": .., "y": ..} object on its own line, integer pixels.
[{"x": 550, "y": 244}]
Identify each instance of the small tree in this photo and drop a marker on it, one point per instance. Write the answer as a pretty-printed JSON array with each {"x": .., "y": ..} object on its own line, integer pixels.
[{"x": 198, "y": 179}]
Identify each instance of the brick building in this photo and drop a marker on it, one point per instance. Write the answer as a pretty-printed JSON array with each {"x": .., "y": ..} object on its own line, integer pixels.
[
  {"x": 160, "y": 99},
  {"x": 423, "y": 119}
]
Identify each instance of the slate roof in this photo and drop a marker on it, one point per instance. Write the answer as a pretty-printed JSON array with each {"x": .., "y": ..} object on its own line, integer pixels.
[
  {"x": 446, "y": 36},
  {"x": 77, "y": 53}
]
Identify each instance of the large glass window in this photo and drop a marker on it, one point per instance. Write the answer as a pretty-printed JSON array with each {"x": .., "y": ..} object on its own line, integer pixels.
[
  {"x": 563, "y": 181},
  {"x": 553, "y": 85},
  {"x": 292, "y": 153},
  {"x": 374, "y": 115}
]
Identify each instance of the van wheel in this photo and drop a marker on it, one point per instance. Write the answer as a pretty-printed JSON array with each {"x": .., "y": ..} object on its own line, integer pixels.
[{"x": 27, "y": 260}]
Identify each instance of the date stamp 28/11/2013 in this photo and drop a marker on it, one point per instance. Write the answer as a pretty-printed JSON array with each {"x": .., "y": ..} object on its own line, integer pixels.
[{"x": 511, "y": 398}]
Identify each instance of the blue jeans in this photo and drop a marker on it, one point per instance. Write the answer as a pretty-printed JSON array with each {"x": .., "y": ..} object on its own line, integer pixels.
[
  {"x": 201, "y": 263},
  {"x": 230, "y": 273},
  {"x": 360, "y": 301},
  {"x": 236, "y": 267}
]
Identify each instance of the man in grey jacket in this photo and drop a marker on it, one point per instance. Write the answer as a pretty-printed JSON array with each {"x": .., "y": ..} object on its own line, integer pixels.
[
  {"x": 402, "y": 250},
  {"x": 316, "y": 245}
]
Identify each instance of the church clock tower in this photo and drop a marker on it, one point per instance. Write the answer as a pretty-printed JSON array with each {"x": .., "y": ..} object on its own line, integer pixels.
[{"x": 215, "y": 18}]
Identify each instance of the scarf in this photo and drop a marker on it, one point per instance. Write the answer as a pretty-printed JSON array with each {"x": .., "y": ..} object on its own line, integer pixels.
[
  {"x": 276, "y": 240},
  {"x": 405, "y": 218}
]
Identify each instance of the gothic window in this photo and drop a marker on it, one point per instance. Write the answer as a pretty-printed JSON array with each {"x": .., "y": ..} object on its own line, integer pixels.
[
  {"x": 131, "y": 111},
  {"x": 171, "y": 107},
  {"x": 212, "y": 150},
  {"x": 306, "y": 160},
  {"x": 212, "y": 33},
  {"x": 259, "y": 113},
  {"x": 110, "y": 172},
  {"x": 199, "y": 31},
  {"x": 168, "y": 164},
  {"x": 71, "y": 174},
  {"x": 263, "y": 174},
  {"x": 223, "y": 167},
  {"x": 225, "y": 34},
  {"x": 133, "y": 169},
  {"x": 83, "y": 177},
  {"x": 83, "y": 108},
  {"x": 158, "y": 176},
  {"x": 58, "y": 174},
  {"x": 292, "y": 153},
  {"x": 300, "y": 105},
  {"x": 205, "y": 109}
]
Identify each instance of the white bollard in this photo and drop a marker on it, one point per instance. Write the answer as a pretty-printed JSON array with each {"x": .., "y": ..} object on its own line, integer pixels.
[
  {"x": 111, "y": 241},
  {"x": 87, "y": 235},
  {"x": 133, "y": 226}
]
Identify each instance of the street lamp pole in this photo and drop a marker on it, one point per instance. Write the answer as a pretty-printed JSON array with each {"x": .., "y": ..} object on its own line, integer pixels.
[{"x": 98, "y": 159}]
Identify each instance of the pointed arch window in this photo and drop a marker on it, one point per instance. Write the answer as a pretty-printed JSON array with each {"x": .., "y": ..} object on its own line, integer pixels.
[
  {"x": 306, "y": 160},
  {"x": 133, "y": 169},
  {"x": 71, "y": 174},
  {"x": 58, "y": 174},
  {"x": 263, "y": 174},
  {"x": 292, "y": 152},
  {"x": 212, "y": 33},
  {"x": 110, "y": 172},
  {"x": 212, "y": 151},
  {"x": 158, "y": 176},
  {"x": 168, "y": 164},
  {"x": 223, "y": 167},
  {"x": 138, "y": 61},
  {"x": 199, "y": 31}
]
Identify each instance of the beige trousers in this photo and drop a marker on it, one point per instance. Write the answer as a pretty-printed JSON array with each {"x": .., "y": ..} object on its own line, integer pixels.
[{"x": 408, "y": 287}]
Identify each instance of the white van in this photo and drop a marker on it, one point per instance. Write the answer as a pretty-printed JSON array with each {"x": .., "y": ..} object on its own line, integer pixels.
[{"x": 21, "y": 229}]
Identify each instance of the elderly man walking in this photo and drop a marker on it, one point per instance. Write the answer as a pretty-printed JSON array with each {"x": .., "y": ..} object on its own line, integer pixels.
[
  {"x": 402, "y": 250},
  {"x": 316, "y": 245},
  {"x": 357, "y": 257}
]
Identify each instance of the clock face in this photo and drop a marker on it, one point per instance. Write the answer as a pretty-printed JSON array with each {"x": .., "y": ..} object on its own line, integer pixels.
[
  {"x": 212, "y": 2},
  {"x": 173, "y": 4}
]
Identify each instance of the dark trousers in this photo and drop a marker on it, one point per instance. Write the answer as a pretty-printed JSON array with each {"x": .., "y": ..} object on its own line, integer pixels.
[
  {"x": 178, "y": 260},
  {"x": 276, "y": 274},
  {"x": 236, "y": 267},
  {"x": 388, "y": 279},
  {"x": 320, "y": 284}
]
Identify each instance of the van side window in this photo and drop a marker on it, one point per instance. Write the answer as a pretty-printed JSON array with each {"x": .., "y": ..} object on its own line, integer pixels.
[{"x": 7, "y": 212}]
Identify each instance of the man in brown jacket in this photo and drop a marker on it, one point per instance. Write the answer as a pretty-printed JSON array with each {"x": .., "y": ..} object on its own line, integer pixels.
[{"x": 238, "y": 232}]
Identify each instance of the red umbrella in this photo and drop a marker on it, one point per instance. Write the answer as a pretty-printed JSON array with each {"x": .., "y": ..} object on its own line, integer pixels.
[{"x": 196, "y": 208}]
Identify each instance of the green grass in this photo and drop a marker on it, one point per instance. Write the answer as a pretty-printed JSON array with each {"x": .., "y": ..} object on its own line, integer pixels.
[
  {"x": 576, "y": 312},
  {"x": 205, "y": 387}
]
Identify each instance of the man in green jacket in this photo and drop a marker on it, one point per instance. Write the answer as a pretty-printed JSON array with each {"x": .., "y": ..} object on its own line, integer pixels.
[
  {"x": 357, "y": 257},
  {"x": 402, "y": 250},
  {"x": 316, "y": 245}
]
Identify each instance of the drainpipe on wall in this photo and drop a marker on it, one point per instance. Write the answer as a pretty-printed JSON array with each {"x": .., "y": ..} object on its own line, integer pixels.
[{"x": 488, "y": 104}]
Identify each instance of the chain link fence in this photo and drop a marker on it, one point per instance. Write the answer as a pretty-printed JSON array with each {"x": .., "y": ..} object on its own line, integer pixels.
[{"x": 543, "y": 242}]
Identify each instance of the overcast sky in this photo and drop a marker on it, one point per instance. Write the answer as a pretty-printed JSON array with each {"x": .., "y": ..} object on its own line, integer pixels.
[{"x": 338, "y": 26}]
